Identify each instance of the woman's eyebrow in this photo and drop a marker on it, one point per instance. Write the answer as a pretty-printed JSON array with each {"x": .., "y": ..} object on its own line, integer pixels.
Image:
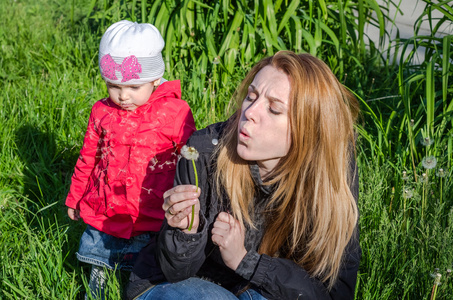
[
  {"x": 274, "y": 99},
  {"x": 252, "y": 89}
]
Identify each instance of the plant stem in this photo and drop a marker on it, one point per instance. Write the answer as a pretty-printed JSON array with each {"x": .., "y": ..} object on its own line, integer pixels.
[
  {"x": 441, "y": 191},
  {"x": 436, "y": 283},
  {"x": 423, "y": 198},
  {"x": 196, "y": 184}
]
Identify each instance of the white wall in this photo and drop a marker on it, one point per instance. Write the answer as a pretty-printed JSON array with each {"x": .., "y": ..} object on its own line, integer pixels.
[{"x": 411, "y": 10}]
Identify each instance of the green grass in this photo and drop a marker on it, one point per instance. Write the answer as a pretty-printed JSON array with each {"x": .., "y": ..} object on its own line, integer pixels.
[{"x": 49, "y": 81}]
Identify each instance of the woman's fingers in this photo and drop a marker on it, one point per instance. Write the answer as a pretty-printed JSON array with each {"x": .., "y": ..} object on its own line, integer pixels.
[
  {"x": 224, "y": 228},
  {"x": 178, "y": 203},
  {"x": 228, "y": 234},
  {"x": 222, "y": 224},
  {"x": 174, "y": 198},
  {"x": 225, "y": 217},
  {"x": 181, "y": 209}
]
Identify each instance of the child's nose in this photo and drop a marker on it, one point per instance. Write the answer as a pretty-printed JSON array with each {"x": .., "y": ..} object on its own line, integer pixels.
[{"x": 124, "y": 95}]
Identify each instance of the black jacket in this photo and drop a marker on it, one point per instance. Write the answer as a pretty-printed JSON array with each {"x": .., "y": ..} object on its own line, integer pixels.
[{"x": 183, "y": 255}]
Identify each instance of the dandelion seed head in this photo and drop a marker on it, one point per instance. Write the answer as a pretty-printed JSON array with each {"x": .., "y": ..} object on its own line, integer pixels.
[
  {"x": 412, "y": 122},
  {"x": 429, "y": 162},
  {"x": 405, "y": 176},
  {"x": 407, "y": 194},
  {"x": 427, "y": 141},
  {"x": 441, "y": 173},
  {"x": 437, "y": 279},
  {"x": 424, "y": 178},
  {"x": 216, "y": 60},
  {"x": 189, "y": 153}
]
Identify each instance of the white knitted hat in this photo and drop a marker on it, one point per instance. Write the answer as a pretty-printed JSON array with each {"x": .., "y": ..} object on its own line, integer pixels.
[{"x": 130, "y": 53}]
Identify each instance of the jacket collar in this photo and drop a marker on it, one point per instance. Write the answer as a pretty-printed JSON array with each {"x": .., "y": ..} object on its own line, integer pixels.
[{"x": 265, "y": 188}]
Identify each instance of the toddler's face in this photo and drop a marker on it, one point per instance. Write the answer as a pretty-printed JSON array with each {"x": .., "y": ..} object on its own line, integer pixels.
[{"x": 129, "y": 97}]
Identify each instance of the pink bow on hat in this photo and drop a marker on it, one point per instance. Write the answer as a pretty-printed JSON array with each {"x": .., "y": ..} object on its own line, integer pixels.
[{"x": 128, "y": 68}]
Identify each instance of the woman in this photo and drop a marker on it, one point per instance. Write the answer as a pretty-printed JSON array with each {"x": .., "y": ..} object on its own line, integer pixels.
[{"x": 276, "y": 213}]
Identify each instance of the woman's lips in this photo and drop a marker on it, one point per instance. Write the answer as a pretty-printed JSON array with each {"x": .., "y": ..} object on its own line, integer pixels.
[{"x": 244, "y": 135}]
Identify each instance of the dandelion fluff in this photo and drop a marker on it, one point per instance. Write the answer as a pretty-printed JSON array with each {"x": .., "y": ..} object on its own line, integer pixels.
[
  {"x": 441, "y": 173},
  {"x": 429, "y": 162},
  {"x": 424, "y": 178},
  {"x": 189, "y": 153},
  {"x": 427, "y": 141},
  {"x": 405, "y": 176},
  {"x": 407, "y": 194}
]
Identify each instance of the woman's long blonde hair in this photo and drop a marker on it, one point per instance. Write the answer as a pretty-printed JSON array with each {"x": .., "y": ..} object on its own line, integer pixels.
[{"x": 312, "y": 213}]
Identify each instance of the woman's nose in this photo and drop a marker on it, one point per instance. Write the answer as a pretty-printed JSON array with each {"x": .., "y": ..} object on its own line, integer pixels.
[{"x": 252, "y": 111}]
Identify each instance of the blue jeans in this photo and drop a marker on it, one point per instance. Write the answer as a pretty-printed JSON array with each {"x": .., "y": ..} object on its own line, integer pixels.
[
  {"x": 195, "y": 289},
  {"x": 104, "y": 250}
]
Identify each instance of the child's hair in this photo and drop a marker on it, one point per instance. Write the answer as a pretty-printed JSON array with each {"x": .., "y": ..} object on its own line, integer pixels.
[{"x": 130, "y": 53}]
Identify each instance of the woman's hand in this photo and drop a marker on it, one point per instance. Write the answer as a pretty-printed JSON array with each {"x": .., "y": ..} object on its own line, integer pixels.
[
  {"x": 178, "y": 203},
  {"x": 229, "y": 235},
  {"x": 74, "y": 214}
]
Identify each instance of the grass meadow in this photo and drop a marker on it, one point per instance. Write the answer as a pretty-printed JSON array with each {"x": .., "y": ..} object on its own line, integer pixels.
[{"x": 50, "y": 79}]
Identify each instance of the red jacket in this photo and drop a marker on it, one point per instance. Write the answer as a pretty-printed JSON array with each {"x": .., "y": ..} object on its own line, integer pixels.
[{"x": 128, "y": 161}]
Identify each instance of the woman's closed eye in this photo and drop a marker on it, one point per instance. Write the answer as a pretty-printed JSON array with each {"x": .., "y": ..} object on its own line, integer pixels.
[
  {"x": 251, "y": 97},
  {"x": 274, "y": 111},
  {"x": 276, "y": 106}
]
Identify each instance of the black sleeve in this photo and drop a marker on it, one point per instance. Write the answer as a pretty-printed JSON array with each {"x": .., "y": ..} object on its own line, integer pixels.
[{"x": 181, "y": 255}]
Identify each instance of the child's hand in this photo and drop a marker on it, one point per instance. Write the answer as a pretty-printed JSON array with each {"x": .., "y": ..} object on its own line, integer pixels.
[
  {"x": 178, "y": 203},
  {"x": 74, "y": 214}
]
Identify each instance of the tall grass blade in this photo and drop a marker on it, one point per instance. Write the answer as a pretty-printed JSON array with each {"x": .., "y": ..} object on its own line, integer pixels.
[
  {"x": 290, "y": 12},
  {"x": 430, "y": 98}
]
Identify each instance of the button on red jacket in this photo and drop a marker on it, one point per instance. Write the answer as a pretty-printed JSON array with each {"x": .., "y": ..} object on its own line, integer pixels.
[{"x": 128, "y": 161}]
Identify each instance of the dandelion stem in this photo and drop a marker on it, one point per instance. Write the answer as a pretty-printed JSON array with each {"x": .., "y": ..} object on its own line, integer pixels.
[
  {"x": 441, "y": 191},
  {"x": 433, "y": 292},
  {"x": 436, "y": 284},
  {"x": 412, "y": 151},
  {"x": 196, "y": 184},
  {"x": 423, "y": 199}
]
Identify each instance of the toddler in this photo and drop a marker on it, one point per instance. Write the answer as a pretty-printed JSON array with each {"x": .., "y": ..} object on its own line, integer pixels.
[{"x": 129, "y": 153}]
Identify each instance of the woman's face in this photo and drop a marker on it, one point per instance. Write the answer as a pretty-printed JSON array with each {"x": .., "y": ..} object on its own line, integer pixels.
[{"x": 263, "y": 131}]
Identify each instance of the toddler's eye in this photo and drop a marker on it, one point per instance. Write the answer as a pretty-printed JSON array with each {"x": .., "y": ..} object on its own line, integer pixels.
[{"x": 110, "y": 86}]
